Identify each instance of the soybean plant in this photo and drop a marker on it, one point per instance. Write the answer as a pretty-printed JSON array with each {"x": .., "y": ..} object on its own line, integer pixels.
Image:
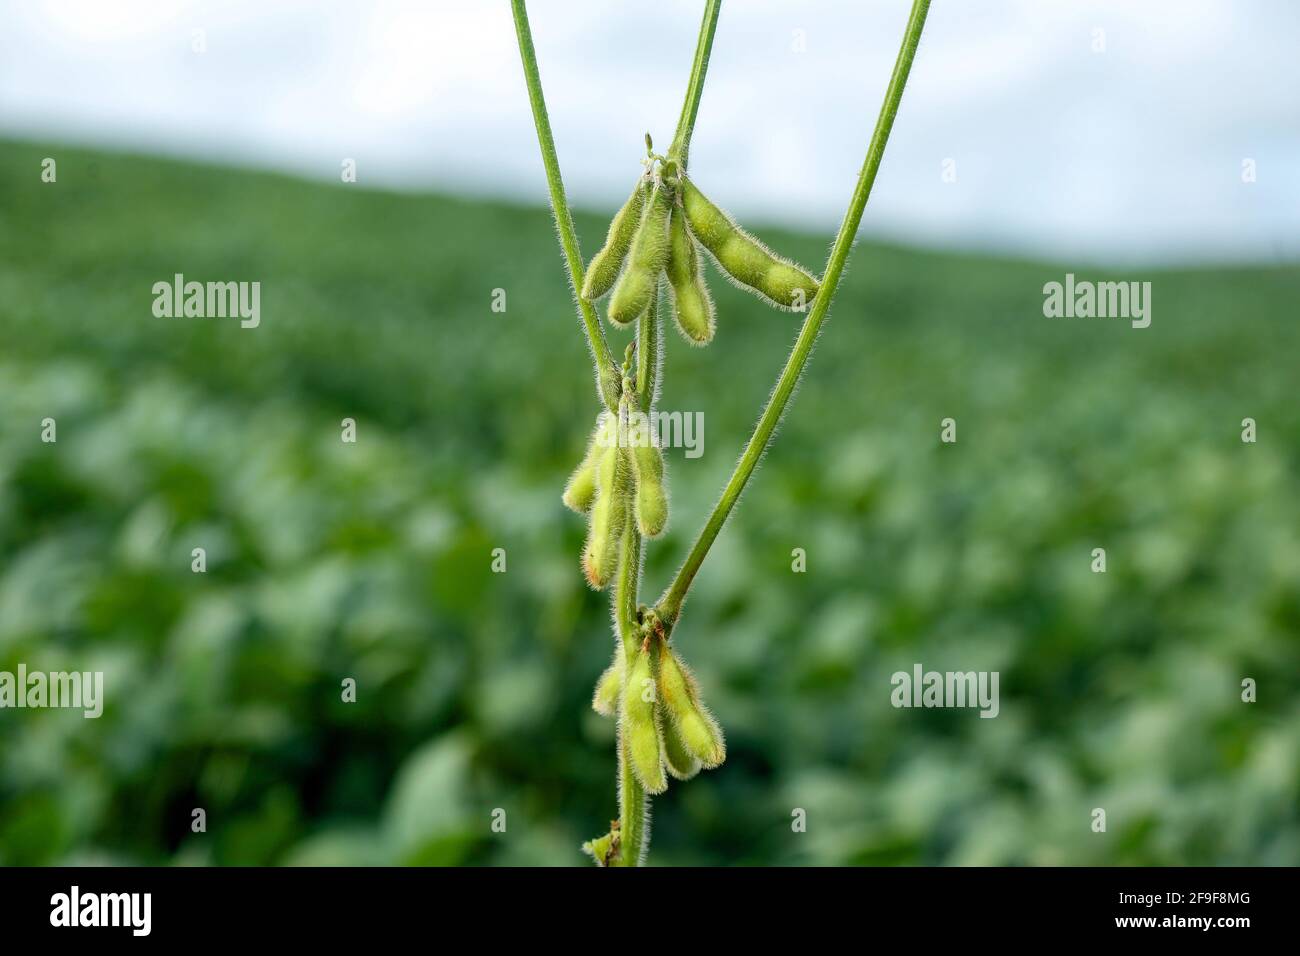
[{"x": 653, "y": 244}]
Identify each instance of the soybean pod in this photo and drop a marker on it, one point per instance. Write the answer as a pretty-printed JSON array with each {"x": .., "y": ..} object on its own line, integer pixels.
[
  {"x": 645, "y": 260},
  {"x": 651, "y": 499},
  {"x": 753, "y": 265},
  {"x": 608, "y": 516},
  {"x": 610, "y": 684},
  {"x": 692, "y": 304},
  {"x": 681, "y": 763},
  {"x": 581, "y": 488},
  {"x": 699, "y": 732},
  {"x": 639, "y": 724},
  {"x": 606, "y": 263}
]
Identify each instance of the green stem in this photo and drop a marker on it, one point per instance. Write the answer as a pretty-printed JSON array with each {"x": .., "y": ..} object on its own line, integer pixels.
[
  {"x": 633, "y": 812},
  {"x": 695, "y": 88},
  {"x": 670, "y": 604},
  {"x": 647, "y": 354},
  {"x": 607, "y": 378},
  {"x": 633, "y": 801},
  {"x": 626, "y": 585}
]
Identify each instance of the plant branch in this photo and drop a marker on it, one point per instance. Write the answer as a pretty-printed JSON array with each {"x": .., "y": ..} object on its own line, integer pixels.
[
  {"x": 670, "y": 603},
  {"x": 633, "y": 801},
  {"x": 695, "y": 88},
  {"x": 633, "y": 812},
  {"x": 625, "y": 589},
  {"x": 647, "y": 354},
  {"x": 607, "y": 377}
]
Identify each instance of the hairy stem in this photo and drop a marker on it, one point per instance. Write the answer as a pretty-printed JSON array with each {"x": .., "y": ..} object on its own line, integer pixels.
[
  {"x": 695, "y": 88},
  {"x": 633, "y": 801},
  {"x": 607, "y": 378},
  {"x": 647, "y": 354},
  {"x": 633, "y": 813},
  {"x": 625, "y": 589},
  {"x": 670, "y": 603}
]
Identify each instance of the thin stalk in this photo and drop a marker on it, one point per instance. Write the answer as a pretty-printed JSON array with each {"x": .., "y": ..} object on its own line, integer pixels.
[
  {"x": 633, "y": 801},
  {"x": 633, "y": 812},
  {"x": 647, "y": 354},
  {"x": 695, "y": 88},
  {"x": 670, "y": 603},
  {"x": 607, "y": 378},
  {"x": 625, "y": 587}
]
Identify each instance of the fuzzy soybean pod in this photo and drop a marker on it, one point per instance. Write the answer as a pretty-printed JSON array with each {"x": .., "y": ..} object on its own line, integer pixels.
[
  {"x": 681, "y": 763},
  {"x": 606, "y": 264},
  {"x": 692, "y": 304},
  {"x": 691, "y": 719},
  {"x": 609, "y": 514},
  {"x": 605, "y": 699},
  {"x": 639, "y": 719},
  {"x": 648, "y": 468},
  {"x": 581, "y": 488},
  {"x": 645, "y": 260},
  {"x": 743, "y": 257}
]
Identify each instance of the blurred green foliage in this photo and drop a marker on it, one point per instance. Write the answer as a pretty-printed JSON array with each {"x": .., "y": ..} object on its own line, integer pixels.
[{"x": 372, "y": 560}]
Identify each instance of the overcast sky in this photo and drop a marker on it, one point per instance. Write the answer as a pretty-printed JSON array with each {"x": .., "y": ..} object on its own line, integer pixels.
[{"x": 1106, "y": 130}]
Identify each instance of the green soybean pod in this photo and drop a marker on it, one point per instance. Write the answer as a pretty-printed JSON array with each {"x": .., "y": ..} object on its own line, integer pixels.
[
  {"x": 681, "y": 763},
  {"x": 699, "y": 731},
  {"x": 692, "y": 304},
  {"x": 651, "y": 499},
  {"x": 645, "y": 260},
  {"x": 605, "y": 699},
  {"x": 743, "y": 257},
  {"x": 639, "y": 724},
  {"x": 606, "y": 263},
  {"x": 581, "y": 487},
  {"x": 608, "y": 517}
]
